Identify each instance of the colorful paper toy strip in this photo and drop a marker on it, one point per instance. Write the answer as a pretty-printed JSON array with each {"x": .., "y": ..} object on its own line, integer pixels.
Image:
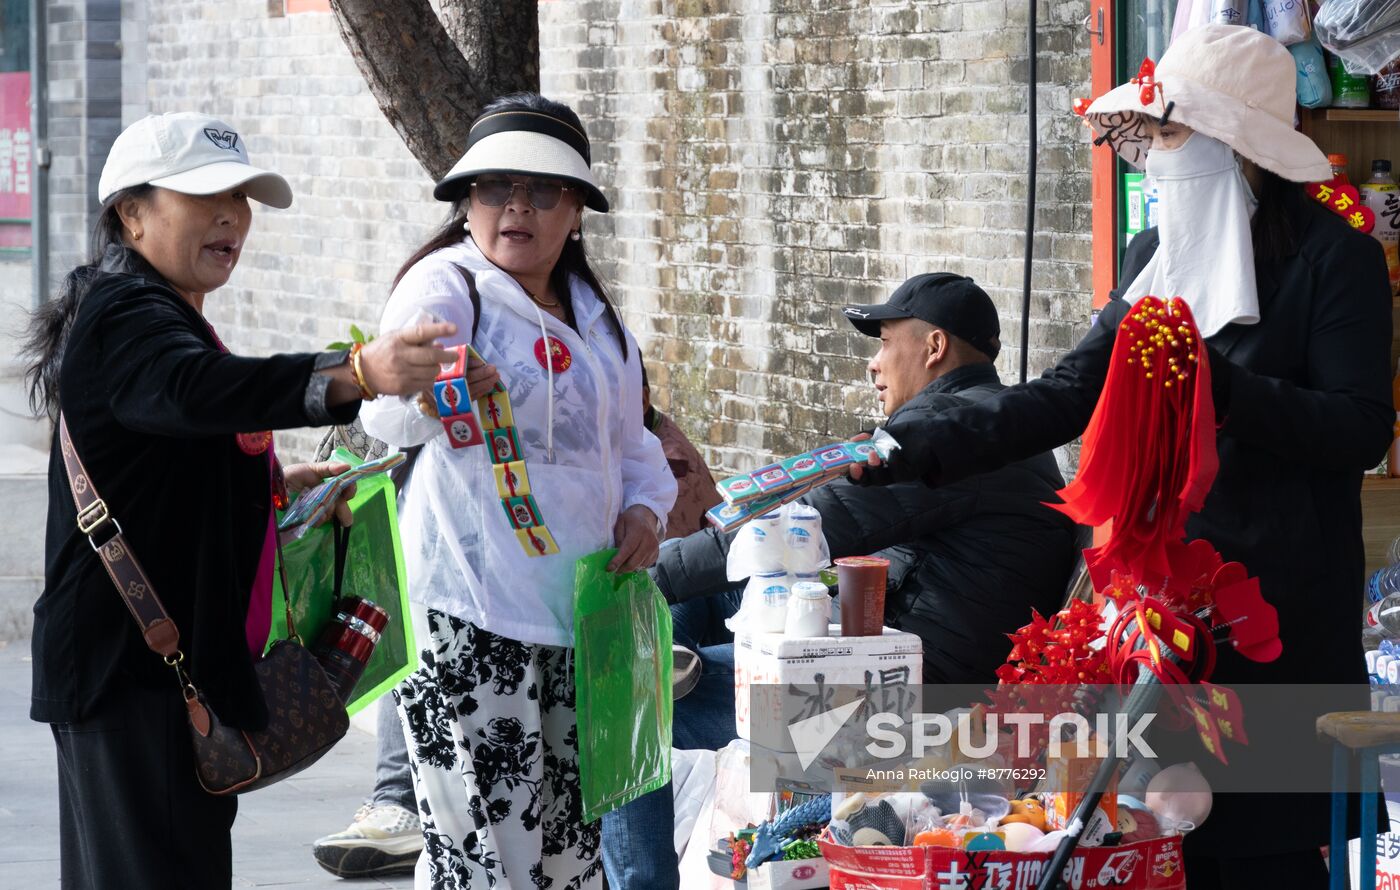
[
  {"x": 727, "y": 517},
  {"x": 819, "y": 465},
  {"x": 752, "y": 494},
  {"x": 495, "y": 429}
]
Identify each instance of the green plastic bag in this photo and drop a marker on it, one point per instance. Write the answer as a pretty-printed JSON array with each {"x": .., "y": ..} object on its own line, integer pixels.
[
  {"x": 374, "y": 571},
  {"x": 622, "y": 677}
]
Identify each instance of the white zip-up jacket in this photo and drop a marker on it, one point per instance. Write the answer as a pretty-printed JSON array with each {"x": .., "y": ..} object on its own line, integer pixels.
[{"x": 586, "y": 451}]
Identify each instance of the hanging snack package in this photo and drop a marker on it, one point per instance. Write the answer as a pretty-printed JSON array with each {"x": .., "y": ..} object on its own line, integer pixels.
[
  {"x": 1287, "y": 21},
  {"x": 622, "y": 681}
]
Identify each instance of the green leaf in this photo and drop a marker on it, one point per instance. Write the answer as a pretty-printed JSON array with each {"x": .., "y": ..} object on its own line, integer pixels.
[
  {"x": 337, "y": 346},
  {"x": 356, "y": 334}
]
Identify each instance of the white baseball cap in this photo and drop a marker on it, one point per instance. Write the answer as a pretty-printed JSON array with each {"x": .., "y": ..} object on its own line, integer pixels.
[{"x": 193, "y": 154}]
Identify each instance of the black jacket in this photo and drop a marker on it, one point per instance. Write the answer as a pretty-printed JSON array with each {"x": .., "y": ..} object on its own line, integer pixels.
[
  {"x": 152, "y": 405},
  {"x": 967, "y": 561},
  {"x": 1305, "y": 407}
]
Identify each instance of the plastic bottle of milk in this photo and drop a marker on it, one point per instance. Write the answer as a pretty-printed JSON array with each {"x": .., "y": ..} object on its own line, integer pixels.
[
  {"x": 770, "y": 594},
  {"x": 809, "y": 610}
]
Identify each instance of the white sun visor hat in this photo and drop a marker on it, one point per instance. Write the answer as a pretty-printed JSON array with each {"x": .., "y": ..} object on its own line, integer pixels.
[
  {"x": 193, "y": 154},
  {"x": 1231, "y": 83},
  {"x": 525, "y": 143}
]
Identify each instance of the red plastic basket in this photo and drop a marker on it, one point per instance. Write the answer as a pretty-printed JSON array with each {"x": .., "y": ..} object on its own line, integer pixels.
[{"x": 1146, "y": 865}]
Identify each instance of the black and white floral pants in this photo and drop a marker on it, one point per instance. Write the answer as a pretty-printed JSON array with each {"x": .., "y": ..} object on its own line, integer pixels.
[{"x": 493, "y": 746}]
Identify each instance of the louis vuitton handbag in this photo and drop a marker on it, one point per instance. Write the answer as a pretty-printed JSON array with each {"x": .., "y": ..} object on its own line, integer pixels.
[{"x": 305, "y": 715}]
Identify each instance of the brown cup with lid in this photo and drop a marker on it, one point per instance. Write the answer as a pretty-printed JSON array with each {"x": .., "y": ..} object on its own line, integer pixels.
[{"x": 861, "y": 581}]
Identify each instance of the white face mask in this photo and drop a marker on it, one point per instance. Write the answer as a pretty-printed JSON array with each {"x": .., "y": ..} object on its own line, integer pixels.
[{"x": 1206, "y": 255}]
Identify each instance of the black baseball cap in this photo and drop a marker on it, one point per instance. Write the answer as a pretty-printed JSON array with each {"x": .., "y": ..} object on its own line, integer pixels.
[{"x": 952, "y": 302}]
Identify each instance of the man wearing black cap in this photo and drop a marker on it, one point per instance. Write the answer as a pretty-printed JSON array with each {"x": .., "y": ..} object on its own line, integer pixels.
[
  {"x": 968, "y": 561},
  {"x": 932, "y": 325}
]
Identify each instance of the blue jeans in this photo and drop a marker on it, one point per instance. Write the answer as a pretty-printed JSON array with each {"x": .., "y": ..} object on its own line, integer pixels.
[
  {"x": 393, "y": 783},
  {"x": 638, "y": 839}
]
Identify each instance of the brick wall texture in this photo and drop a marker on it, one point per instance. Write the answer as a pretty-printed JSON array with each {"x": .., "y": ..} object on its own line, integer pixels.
[
  {"x": 85, "y": 115},
  {"x": 769, "y": 161}
]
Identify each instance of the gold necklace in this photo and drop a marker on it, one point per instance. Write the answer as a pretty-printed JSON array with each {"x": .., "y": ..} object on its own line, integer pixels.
[{"x": 554, "y": 305}]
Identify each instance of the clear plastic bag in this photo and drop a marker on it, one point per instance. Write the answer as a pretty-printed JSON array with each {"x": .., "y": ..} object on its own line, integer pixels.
[
  {"x": 758, "y": 548},
  {"x": 1364, "y": 34},
  {"x": 622, "y": 678},
  {"x": 788, "y": 542}
]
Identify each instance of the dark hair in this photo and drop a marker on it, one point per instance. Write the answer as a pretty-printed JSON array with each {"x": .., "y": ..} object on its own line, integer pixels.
[
  {"x": 49, "y": 325},
  {"x": 574, "y": 258},
  {"x": 1275, "y": 233}
]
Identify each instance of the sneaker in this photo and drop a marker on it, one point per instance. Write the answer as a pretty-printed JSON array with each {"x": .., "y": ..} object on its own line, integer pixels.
[
  {"x": 685, "y": 672},
  {"x": 383, "y": 839}
]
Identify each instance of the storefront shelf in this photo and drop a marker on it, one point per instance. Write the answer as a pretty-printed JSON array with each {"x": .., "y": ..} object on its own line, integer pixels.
[
  {"x": 1366, "y": 115},
  {"x": 1380, "y": 511}
]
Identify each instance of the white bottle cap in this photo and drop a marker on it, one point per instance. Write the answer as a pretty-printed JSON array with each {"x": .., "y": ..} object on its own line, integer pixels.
[{"x": 809, "y": 591}]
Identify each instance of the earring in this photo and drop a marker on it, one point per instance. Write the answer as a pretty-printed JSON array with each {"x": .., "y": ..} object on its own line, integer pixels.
[
  {"x": 574, "y": 235},
  {"x": 467, "y": 225},
  {"x": 136, "y": 236}
]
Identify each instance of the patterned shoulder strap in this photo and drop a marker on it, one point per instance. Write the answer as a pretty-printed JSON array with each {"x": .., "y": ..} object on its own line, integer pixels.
[{"x": 126, "y": 573}]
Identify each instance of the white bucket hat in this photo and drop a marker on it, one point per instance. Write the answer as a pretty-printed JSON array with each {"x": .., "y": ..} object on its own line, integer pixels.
[
  {"x": 193, "y": 154},
  {"x": 1229, "y": 82},
  {"x": 526, "y": 143}
]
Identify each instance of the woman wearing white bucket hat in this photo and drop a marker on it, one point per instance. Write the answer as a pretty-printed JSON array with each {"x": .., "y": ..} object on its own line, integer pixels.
[
  {"x": 489, "y": 714},
  {"x": 175, "y": 433},
  {"x": 1295, "y": 306}
]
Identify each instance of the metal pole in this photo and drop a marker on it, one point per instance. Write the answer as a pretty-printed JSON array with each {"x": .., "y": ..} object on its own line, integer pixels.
[
  {"x": 1030, "y": 194},
  {"x": 39, "y": 131}
]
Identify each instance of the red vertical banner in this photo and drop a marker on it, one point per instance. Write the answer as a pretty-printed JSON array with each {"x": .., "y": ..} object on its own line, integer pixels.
[
  {"x": 1104, "y": 184},
  {"x": 16, "y": 160}
]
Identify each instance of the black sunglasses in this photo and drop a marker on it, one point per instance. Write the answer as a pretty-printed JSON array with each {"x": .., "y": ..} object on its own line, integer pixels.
[{"x": 496, "y": 191}]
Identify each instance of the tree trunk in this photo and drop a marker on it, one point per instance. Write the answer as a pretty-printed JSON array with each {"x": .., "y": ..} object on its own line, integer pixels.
[
  {"x": 427, "y": 88},
  {"x": 500, "y": 40}
]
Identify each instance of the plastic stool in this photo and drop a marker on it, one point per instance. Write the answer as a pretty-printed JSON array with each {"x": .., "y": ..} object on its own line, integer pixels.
[{"x": 1365, "y": 735}]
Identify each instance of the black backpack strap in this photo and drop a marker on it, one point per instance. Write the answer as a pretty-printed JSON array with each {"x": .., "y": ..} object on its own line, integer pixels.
[
  {"x": 475, "y": 296},
  {"x": 399, "y": 475}
]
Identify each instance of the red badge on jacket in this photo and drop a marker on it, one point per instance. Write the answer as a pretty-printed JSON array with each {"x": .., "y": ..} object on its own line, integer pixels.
[{"x": 559, "y": 355}]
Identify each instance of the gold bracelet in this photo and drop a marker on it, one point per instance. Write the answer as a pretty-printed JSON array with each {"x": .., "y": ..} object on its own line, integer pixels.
[{"x": 357, "y": 372}]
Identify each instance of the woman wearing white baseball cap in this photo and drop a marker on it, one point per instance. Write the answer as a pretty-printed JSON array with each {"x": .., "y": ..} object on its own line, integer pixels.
[
  {"x": 489, "y": 714},
  {"x": 175, "y": 433},
  {"x": 1295, "y": 306}
]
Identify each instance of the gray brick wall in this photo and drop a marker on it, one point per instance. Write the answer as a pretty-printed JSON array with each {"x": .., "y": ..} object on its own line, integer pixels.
[
  {"x": 85, "y": 115},
  {"x": 769, "y": 161},
  {"x": 774, "y": 161},
  {"x": 135, "y": 24}
]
